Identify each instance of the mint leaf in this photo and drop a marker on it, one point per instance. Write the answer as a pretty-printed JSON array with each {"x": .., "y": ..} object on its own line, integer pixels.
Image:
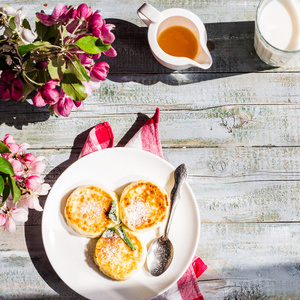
[
  {"x": 4, "y": 148},
  {"x": 6, "y": 167},
  {"x": 73, "y": 87},
  {"x": 113, "y": 212},
  {"x": 92, "y": 45},
  {"x": 123, "y": 235},
  {"x": 109, "y": 232}
]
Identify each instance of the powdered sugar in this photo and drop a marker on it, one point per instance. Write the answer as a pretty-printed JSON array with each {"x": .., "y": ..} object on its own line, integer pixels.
[{"x": 137, "y": 212}]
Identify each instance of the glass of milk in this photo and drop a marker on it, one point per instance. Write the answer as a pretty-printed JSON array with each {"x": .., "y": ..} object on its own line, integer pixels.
[{"x": 277, "y": 32}]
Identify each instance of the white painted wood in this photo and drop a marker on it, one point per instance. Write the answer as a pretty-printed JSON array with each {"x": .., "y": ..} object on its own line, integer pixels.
[{"x": 236, "y": 126}]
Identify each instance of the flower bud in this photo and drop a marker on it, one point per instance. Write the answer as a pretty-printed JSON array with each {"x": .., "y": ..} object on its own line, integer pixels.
[
  {"x": 99, "y": 71},
  {"x": 42, "y": 64}
]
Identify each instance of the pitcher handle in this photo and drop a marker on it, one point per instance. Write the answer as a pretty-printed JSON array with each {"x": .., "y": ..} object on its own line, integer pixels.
[{"x": 149, "y": 14}]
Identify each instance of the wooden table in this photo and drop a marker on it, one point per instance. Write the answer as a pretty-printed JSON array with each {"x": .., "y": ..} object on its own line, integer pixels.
[{"x": 236, "y": 126}]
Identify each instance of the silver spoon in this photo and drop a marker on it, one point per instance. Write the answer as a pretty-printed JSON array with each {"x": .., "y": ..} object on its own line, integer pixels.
[{"x": 160, "y": 253}]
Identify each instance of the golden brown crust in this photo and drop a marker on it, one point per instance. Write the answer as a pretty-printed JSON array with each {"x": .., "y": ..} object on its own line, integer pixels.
[
  {"x": 143, "y": 206},
  {"x": 87, "y": 209},
  {"x": 116, "y": 260}
]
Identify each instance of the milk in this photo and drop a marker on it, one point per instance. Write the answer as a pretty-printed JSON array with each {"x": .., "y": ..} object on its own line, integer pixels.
[
  {"x": 277, "y": 32},
  {"x": 279, "y": 23}
]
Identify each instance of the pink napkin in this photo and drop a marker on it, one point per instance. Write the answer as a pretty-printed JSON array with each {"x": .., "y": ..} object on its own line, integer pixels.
[{"x": 147, "y": 138}]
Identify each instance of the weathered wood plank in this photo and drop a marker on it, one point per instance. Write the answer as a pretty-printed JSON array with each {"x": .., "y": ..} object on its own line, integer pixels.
[
  {"x": 236, "y": 126},
  {"x": 249, "y": 261},
  {"x": 230, "y": 184},
  {"x": 249, "y": 109},
  {"x": 241, "y": 125},
  {"x": 230, "y": 28}
]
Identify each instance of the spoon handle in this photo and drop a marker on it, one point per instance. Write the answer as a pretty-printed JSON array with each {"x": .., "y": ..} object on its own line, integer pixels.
[{"x": 180, "y": 175}]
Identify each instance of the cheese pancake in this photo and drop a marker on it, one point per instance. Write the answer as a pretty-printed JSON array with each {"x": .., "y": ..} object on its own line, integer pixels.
[
  {"x": 87, "y": 210},
  {"x": 143, "y": 206},
  {"x": 116, "y": 260}
]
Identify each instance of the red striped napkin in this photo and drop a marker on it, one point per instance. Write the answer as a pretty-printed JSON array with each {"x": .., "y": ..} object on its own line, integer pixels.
[{"x": 147, "y": 138}]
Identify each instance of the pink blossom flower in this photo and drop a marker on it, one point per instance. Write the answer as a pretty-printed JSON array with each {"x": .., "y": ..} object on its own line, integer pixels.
[
  {"x": 96, "y": 56},
  {"x": 13, "y": 147},
  {"x": 33, "y": 182},
  {"x": 84, "y": 58},
  {"x": 47, "y": 94},
  {"x": 28, "y": 158},
  {"x": 100, "y": 29},
  {"x": 31, "y": 200},
  {"x": 64, "y": 105},
  {"x": 59, "y": 14},
  {"x": 10, "y": 86},
  {"x": 27, "y": 36},
  {"x": 78, "y": 104},
  {"x": 84, "y": 12},
  {"x": 80, "y": 14},
  {"x": 91, "y": 86},
  {"x": 111, "y": 52},
  {"x": 36, "y": 166},
  {"x": 18, "y": 167},
  {"x": 10, "y": 214},
  {"x": 99, "y": 71},
  {"x": 95, "y": 22},
  {"x": 2, "y": 219}
]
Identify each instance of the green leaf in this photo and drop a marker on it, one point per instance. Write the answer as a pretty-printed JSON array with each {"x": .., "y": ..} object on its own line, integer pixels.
[
  {"x": 38, "y": 77},
  {"x": 123, "y": 235},
  {"x": 1, "y": 185},
  {"x": 73, "y": 87},
  {"x": 27, "y": 89},
  {"x": 78, "y": 69},
  {"x": 44, "y": 32},
  {"x": 11, "y": 22},
  {"x": 16, "y": 192},
  {"x": 26, "y": 24},
  {"x": 113, "y": 212},
  {"x": 108, "y": 232},
  {"x": 6, "y": 167},
  {"x": 6, "y": 192},
  {"x": 56, "y": 67},
  {"x": 23, "y": 49},
  {"x": 4, "y": 148},
  {"x": 92, "y": 45}
]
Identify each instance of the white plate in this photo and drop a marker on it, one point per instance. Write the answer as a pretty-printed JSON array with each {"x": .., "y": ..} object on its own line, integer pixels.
[{"x": 71, "y": 255}]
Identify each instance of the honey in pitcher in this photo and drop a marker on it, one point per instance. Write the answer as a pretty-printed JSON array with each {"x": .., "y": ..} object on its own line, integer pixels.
[{"x": 178, "y": 41}]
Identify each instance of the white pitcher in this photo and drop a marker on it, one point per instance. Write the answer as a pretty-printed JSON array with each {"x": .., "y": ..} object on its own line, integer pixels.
[{"x": 158, "y": 21}]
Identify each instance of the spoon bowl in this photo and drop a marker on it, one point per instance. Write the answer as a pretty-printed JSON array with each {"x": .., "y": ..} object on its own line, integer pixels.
[
  {"x": 160, "y": 256},
  {"x": 160, "y": 253}
]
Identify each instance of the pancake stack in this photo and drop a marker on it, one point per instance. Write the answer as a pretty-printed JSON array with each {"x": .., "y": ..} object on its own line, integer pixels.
[{"x": 95, "y": 211}]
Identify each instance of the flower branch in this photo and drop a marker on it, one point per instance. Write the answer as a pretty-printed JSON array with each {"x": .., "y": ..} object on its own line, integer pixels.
[
  {"x": 21, "y": 183},
  {"x": 58, "y": 61}
]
